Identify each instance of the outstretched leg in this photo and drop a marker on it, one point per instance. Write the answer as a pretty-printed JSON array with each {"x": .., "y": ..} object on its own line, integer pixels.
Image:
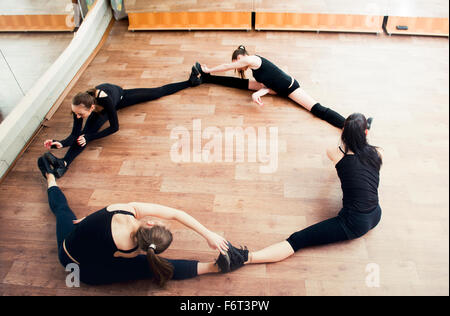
[
  {"x": 326, "y": 232},
  {"x": 231, "y": 82},
  {"x": 304, "y": 99},
  {"x": 140, "y": 95},
  {"x": 63, "y": 213},
  {"x": 274, "y": 253},
  {"x": 137, "y": 268},
  {"x": 61, "y": 210}
]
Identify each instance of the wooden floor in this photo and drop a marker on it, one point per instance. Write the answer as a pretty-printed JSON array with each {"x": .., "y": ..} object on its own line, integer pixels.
[{"x": 401, "y": 81}]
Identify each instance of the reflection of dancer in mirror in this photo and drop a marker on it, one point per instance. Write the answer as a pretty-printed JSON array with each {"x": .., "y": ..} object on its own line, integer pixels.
[
  {"x": 116, "y": 244},
  {"x": 358, "y": 165},
  {"x": 269, "y": 80},
  {"x": 99, "y": 105}
]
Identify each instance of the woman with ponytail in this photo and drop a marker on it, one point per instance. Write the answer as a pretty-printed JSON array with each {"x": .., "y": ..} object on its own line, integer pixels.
[
  {"x": 358, "y": 166},
  {"x": 99, "y": 105},
  {"x": 269, "y": 80},
  {"x": 118, "y": 243}
]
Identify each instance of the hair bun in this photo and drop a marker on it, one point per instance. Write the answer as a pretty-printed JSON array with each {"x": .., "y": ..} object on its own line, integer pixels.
[
  {"x": 91, "y": 92},
  {"x": 241, "y": 47}
]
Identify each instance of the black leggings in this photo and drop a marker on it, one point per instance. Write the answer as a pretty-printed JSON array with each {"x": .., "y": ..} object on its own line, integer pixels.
[
  {"x": 346, "y": 226},
  {"x": 119, "y": 269},
  {"x": 130, "y": 97}
]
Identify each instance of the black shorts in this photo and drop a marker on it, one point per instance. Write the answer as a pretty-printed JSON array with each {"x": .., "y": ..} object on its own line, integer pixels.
[
  {"x": 294, "y": 87},
  {"x": 282, "y": 87}
]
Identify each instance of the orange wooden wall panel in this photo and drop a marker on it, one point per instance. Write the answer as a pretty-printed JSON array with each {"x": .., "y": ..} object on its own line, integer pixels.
[
  {"x": 419, "y": 26},
  {"x": 189, "y": 20},
  {"x": 319, "y": 22},
  {"x": 44, "y": 22}
]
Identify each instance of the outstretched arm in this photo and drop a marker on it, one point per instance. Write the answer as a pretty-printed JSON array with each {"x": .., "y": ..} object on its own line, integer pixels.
[
  {"x": 243, "y": 62},
  {"x": 214, "y": 240},
  {"x": 76, "y": 129}
]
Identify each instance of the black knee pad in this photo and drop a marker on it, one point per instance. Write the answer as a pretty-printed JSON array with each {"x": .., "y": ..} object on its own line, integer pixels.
[{"x": 319, "y": 111}]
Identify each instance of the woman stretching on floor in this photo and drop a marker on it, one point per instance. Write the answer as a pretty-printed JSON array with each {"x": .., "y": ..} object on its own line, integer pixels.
[
  {"x": 269, "y": 79},
  {"x": 99, "y": 105},
  {"x": 115, "y": 244},
  {"x": 358, "y": 165}
]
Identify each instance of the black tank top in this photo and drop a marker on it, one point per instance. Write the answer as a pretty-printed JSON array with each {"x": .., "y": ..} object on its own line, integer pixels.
[
  {"x": 271, "y": 76},
  {"x": 359, "y": 184},
  {"x": 91, "y": 241}
]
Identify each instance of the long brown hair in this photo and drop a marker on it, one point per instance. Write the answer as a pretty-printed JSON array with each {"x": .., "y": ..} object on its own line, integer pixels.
[
  {"x": 155, "y": 240},
  {"x": 238, "y": 52}
]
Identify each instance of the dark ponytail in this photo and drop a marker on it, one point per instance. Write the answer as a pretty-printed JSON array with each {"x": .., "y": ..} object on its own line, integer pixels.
[
  {"x": 161, "y": 268},
  {"x": 238, "y": 52},
  {"x": 154, "y": 241},
  {"x": 354, "y": 139}
]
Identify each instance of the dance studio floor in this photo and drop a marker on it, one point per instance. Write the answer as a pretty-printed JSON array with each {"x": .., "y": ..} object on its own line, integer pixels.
[{"x": 401, "y": 81}]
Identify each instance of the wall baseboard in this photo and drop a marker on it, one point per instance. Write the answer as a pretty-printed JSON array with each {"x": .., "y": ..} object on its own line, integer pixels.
[
  {"x": 190, "y": 21},
  {"x": 417, "y": 26},
  {"x": 318, "y": 22},
  {"x": 37, "y": 23}
]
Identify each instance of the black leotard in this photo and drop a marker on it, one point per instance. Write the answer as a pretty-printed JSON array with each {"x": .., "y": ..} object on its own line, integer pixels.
[
  {"x": 359, "y": 184},
  {"x": 109, "y": 104},
  {"x": 91, "y": 241},
  {"x": 274, "y": 78}
]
